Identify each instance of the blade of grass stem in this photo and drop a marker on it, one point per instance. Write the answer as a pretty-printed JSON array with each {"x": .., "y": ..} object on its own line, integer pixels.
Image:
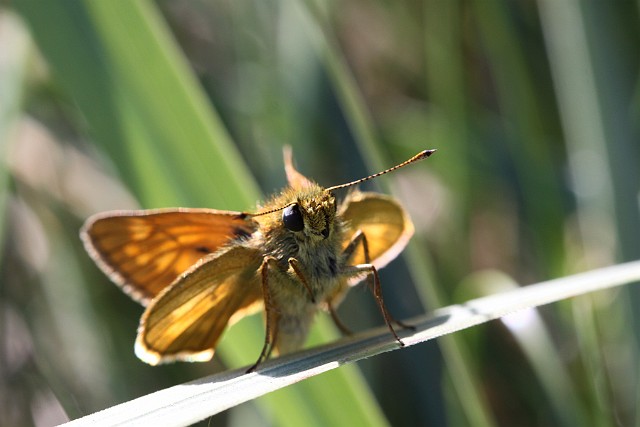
[{"x": 190, "y": 402}]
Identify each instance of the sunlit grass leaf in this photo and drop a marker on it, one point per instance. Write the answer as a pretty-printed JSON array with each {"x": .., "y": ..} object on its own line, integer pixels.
[{"x": 194, "y": 401}]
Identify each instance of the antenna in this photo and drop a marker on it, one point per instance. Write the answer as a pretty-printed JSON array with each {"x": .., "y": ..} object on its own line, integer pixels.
[
  {"x": 270, "y": 210},
  {"x": 420, "y": 156}
]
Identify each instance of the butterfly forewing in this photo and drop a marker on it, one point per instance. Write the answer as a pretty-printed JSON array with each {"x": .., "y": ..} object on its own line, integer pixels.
[
  {"x": 383, "y": 221},
  {"x": 145, "y": 251},
  {"x": 186, "y": 320}
]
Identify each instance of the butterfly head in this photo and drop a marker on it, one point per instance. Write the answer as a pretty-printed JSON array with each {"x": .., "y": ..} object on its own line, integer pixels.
[
  {"x": 307, "y": 209},
  {"x": 312, "y": 215},
  {"x": 308, "y": 213}
]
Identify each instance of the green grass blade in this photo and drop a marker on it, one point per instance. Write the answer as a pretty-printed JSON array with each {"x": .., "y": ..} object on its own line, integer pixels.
[{"x": 202, "y": 398}]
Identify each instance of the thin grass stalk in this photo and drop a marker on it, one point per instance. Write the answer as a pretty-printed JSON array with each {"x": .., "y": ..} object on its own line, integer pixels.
[{"x": 190, "y": 402}]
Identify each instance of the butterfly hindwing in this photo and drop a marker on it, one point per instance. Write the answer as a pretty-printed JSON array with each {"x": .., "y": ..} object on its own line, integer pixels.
[
  {"x": 382, "y": 220},
  {"x": 186, "y": 320}
]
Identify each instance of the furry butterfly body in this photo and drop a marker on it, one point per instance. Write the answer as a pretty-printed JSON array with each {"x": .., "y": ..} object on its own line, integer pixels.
[{"x": 199, "y": 270}]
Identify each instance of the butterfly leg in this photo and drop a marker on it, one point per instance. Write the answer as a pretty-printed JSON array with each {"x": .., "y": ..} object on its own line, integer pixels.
[
  {"x": 377, "y": 294},
  {"x": 271, "y": 330},
  {"x": 293, "y": 263},
  {"x": 359, "y": 238},
  {"x": 337, "y": 321},
  {"x": 347, "y": 254}
]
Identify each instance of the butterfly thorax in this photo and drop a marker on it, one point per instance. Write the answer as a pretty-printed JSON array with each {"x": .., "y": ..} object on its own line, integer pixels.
[{"x": 312, "y": 236}]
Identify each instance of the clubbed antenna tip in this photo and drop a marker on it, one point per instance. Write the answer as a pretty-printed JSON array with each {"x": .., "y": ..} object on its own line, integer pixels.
[{"x": 421, "y": 155}]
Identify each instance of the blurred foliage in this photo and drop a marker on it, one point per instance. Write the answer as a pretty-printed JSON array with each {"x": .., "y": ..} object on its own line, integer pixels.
[{"x": 533, "y": 107}]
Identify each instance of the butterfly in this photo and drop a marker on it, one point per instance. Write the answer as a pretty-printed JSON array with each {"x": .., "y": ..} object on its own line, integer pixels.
[{"x": 197, "y": 271}]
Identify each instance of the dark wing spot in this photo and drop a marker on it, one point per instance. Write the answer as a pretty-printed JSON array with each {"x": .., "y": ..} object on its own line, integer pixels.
[{"x": 202, "y": 249}]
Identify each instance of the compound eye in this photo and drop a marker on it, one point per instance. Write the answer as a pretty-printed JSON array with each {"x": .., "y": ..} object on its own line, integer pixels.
[{"x": 292, "y": 218}]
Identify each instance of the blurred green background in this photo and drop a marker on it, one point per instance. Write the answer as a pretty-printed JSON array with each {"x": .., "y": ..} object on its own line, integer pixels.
[{"x": 532, "y": 105}]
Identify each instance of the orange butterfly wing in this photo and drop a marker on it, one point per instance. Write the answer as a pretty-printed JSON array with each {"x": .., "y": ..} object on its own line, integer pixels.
[
  {"x": 383, "y": 221},
  {"x": 145, "y": 251},
  {"x": 185, "y": 321}
]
